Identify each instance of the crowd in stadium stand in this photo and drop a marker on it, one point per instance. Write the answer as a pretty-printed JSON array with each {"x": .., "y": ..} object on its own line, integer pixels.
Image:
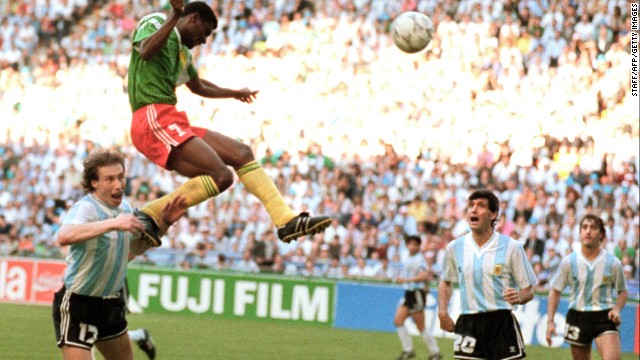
[{"x": 528, "y": 98}]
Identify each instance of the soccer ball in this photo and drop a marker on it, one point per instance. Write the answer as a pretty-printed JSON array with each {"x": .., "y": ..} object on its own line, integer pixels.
[{"x": 412, "y": 31}]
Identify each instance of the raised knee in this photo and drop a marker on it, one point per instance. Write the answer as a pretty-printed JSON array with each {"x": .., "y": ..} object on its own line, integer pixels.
[
  {"x": 223, "y": 179},
  {"x": 244, "y": 153}
]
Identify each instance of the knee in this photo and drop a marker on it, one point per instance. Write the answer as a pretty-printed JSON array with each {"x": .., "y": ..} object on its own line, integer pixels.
[
  {"x": 397, "y": 322},
  {"x": 244, "y": 153},
  {"x": 223, "y": 179},
  {"x": 609, "y": 354}
]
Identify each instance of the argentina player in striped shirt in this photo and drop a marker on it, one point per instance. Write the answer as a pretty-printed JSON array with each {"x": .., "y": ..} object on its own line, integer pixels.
[
  {"x": 101, "y": 232},
  {"x": 414, "y": 279},
  {"x": 493, "y": 275},
  {"x": 592, "y": 275}
]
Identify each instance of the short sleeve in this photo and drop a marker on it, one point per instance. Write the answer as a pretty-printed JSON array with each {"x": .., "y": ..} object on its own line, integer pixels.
[
  {"x": 192, "y": 71},
  {"x": 619, "y": 283},
  {"x": 521, "y": 269},
  {"x": 449, "y": 270},
  {"x": 82, "y": 212},
  {"x": 560, "y": 279},
  {"x": 147, "y": 26}
]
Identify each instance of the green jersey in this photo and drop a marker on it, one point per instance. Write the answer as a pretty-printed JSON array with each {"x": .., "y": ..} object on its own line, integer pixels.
[{"x": 154, "y": 81}]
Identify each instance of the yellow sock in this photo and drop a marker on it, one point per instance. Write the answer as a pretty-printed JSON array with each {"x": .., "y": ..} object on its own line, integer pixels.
[
  {"x": 257, "y": 182},
  {"x": 195, "y": 190}
]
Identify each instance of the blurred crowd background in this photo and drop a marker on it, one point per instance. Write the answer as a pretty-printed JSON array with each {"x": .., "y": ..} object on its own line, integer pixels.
[{"x": 528, "y": 98}]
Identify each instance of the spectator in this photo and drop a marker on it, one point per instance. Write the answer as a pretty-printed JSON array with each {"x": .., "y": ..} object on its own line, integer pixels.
[
  {"x": 246, "y": 263},
  {"x": 310, "y": 268},
  {"x": 535, "y": 243},
  {"x": 623, "y": 250}
]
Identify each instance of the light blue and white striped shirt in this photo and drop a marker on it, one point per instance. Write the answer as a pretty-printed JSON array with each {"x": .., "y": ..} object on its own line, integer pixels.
[
  {"x": 97, "y": 267},
  {"x": 483, "y": 273},
  {"x": 412, "y": 265},
  {"x": 592, "y": 283}
]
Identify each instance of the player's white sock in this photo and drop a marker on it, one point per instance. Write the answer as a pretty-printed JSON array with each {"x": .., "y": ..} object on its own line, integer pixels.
[
  {"x": 136, "y": 335},
  {"x": 431, "y": 342},
  {"x": 405, "y": 338}
]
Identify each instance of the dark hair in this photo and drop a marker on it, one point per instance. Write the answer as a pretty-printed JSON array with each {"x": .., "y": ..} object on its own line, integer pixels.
[
  {"x": 96, "y": 160},
  {"x": 598, "y": 220},
  {"x": 415, "y": 238},
  {"x": 203, "y": 10},
  {"x": 494, "y": 202}
]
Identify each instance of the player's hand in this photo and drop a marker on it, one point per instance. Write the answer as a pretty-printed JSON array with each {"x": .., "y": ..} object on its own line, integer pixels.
[
  {"x": 174, "y": 210},
  {"x": 614, "y": 316},
  {"x": 245, "y": 95},
  {"x": 446, "y": 322},
  {"x": 551, "y": 331},
  {"x": 177, "y": 6},
  {"x": 512, "y": 296},
  {"x": 128, "y": 222}
]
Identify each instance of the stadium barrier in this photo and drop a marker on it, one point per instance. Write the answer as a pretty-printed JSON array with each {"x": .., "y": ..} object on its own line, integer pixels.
[
  {"x": 232, "y": 295},
  {"x": 260, "y": 297},
  {"x": 31, "y": 281},
  {"x": 371, "y": 307}
]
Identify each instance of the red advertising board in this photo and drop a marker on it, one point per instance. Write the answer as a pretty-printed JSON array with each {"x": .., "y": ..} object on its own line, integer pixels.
[
  {"x": 47, "y": 280},
  {"x": 29, "y": 280},
  {"x": 636, "y": 345}
]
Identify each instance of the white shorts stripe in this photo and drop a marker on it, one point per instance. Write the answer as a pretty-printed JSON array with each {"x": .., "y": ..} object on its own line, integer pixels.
[
  {"x": 152, "y": 120},
  {"x": 160, "y": 129},
  {"x": 418, "y": 295},
  {"x": 115, "y": 335},
  {"x": 520, "y": 339},
  {"x": 64, "y": 314}
]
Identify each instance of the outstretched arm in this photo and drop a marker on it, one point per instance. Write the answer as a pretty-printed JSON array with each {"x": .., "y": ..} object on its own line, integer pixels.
[
  {"x": 77, "y": 233},
  {"x": 208, "y": 89},
  {"x": 172, "y": 212},
  {"x": 150, "y": 46}
]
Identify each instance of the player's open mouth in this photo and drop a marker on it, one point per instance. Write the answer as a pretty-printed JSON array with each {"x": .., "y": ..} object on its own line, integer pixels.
[
  {"x": 117, "y": 196},
  {"x": 473, "y": 219}
]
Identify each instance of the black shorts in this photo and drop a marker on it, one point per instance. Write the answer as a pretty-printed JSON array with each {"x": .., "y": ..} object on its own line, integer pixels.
[
  {"x": 492, "y": 335},
  {"x": 584, "y": 326},
  {"x": 415, "y": 300},
  {"x": 81, "y": 320}
]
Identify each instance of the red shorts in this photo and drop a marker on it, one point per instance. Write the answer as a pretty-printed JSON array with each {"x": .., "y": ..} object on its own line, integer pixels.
[{"x": 156, "y": 129}]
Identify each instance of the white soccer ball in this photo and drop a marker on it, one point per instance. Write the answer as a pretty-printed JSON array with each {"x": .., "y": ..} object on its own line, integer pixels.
[{"x": 412, "y": 31}]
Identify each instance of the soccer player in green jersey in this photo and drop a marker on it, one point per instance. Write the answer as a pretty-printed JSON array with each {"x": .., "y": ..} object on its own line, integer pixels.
[{"x": 160, "y": 62}]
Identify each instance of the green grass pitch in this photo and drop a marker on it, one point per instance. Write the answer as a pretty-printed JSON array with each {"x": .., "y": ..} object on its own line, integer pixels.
[{"x": 26, "y": 332}]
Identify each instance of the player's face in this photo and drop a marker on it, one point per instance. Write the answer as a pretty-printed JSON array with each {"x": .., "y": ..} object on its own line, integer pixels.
[
  {"x": 109, "y": 187},
  {"x": 413, "y": 247},
  {"x": 479, "y": 216},
  {"x": 590, "y": 235},
  {"x": 198, "y": 32}
]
